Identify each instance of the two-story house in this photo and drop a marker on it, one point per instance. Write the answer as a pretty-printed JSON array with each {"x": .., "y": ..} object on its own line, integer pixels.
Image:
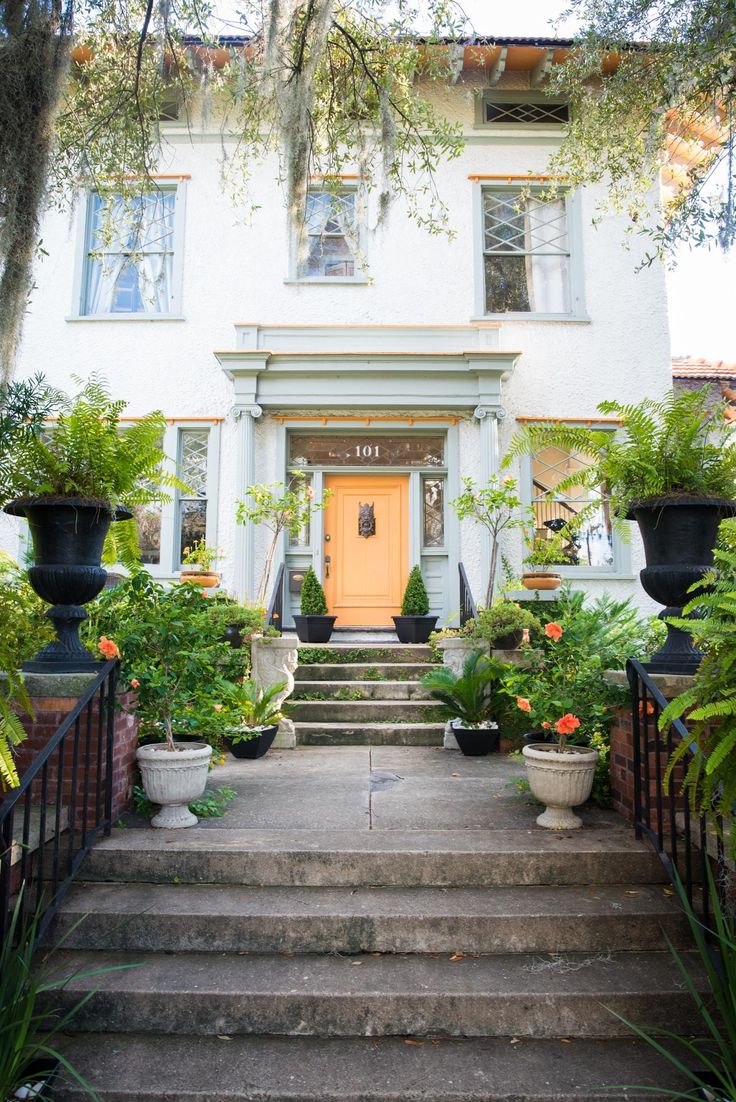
[{"x": 386, "y": 364}]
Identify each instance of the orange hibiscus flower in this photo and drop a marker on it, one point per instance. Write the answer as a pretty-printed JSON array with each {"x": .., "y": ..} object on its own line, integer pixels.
[
  {"x": 107, "y": 648},
  {"x": 523, "y": 704},
  {"x": 553, "y": 631},
  {"x": 567, "y": 724}
]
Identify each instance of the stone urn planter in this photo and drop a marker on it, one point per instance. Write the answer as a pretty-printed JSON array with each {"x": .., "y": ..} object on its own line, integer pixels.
[
  {"x": 68, "y": 534},
  {"x": 173, "y": 779},
  {"x": 560, "y": 779},
  {"x": 679, "y": 535}
]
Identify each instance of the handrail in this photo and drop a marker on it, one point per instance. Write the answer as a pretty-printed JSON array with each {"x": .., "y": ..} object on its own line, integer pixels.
[
  {"x": 275, "y": 612},
  {"x": 665, "y": 818},
  {"x": 66, "y": 790},
  {"x": 468, "y": 607}
]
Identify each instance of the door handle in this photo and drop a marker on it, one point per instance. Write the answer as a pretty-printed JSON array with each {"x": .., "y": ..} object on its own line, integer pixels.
[{"x": 328, "y": 560}]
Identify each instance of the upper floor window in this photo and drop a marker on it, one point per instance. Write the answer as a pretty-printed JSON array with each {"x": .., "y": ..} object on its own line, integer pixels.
[
  {"x": 525, "y": 112},
  {"x": 331, "y": 236},
  {"x": 526, "y": 252},
  {"x": 130, "y": 253},
  {"x": 579, "y": 514}
]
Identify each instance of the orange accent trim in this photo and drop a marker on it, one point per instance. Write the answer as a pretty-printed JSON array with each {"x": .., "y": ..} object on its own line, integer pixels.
[
  {"x": 575, "y": 420},
  {"x": 282, "y": 417},
  {"x": 326, "y": 353},
  {"x": 382, "y": 325},
  {"x": 169, "y": 420},
  {"x": 334, "y": 176}
]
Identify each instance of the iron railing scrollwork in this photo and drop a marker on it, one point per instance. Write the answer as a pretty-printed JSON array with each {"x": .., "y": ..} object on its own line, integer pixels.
[
  {"x": 468, "y": 608},
  {"x": 49, "y": 823}
]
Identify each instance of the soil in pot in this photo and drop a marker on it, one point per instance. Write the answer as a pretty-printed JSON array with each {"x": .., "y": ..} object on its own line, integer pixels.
[
  {"x": 255, "y": 747},
  {"x": 314, "y": 629},
  {"x": 414, "y": 629},
  {"x": 476, "y": 742}
]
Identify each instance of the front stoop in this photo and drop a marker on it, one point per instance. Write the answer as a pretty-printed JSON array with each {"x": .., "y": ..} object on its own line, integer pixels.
[
  {"x": 365, "y": 703},
  {"x": 372, "y": 966}
]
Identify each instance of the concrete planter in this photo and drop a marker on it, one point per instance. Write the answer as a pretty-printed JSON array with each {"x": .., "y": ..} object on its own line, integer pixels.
[
  {"x": 274, "y": 659},
  {"x": 173, "y": 780},
  {"x": 561, "y": 781}
]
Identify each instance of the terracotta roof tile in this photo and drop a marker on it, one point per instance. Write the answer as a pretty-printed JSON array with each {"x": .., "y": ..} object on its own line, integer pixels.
[{"x": 685, "y": 367}]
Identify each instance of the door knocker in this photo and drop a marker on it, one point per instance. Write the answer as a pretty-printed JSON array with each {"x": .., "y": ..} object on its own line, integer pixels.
[{"x": 366, "y": 519}]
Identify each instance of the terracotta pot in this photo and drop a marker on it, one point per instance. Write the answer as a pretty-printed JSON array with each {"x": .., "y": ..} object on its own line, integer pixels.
[
  {"x": 207, "y": 579},
  {"x": 541, "y": 580},
  {"x": 561, "y": 780}
]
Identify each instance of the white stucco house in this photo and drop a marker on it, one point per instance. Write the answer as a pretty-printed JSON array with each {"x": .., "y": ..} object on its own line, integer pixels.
[{"x": 387, "y": 365}]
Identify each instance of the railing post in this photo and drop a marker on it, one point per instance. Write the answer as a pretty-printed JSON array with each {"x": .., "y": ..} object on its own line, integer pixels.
[
  {"x": 109, "y": 699},
  {"x": 633, "y": 677}
]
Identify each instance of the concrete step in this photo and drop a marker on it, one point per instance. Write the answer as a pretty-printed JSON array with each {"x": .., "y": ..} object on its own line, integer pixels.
[
  {"x": 363, "y": 711},
  {"x": 366, "y": 652},
  {"x": 369, "y": 734},
  {"x": 368, "y": 690},
  {"x": 149, "y": 1068},
  {"x": 362, "y": 671},
  {"x": 206, "y": 918},
  {"x": 386, "y": 995},
  {"x": 389, "y": 858}
]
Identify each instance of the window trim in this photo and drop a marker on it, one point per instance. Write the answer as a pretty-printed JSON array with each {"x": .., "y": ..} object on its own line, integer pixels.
[
  {"x": 620, "y": 569},
  {"x": 168, "y": 567},
  {"x": 576, "y": 270},
  {"x": 361, "y": 266},
  {"x": 179, "y": 186},
  {"x": 509, "y": 95}
]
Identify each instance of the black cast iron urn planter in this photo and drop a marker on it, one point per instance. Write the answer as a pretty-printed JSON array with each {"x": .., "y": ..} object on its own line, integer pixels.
[
  {"x": 68, "y": 534},
  {"x": 679, "y": 536}
]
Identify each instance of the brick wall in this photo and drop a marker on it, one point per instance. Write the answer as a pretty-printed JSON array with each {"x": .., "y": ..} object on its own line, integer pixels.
[
  {"x": 48, "y": 715},
  {"x": 622, "y": 770}
]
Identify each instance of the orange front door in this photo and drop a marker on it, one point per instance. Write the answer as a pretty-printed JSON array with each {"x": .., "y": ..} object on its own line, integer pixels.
[{"x": 367, "y": 522}]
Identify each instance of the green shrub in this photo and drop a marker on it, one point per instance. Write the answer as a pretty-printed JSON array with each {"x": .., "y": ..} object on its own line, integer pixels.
[
  {"x": 416, "y": 600},
  {"x": 475, "y": 697},
  {"x": 502, "y": 618},
  {"x": 313, "y": 602}
]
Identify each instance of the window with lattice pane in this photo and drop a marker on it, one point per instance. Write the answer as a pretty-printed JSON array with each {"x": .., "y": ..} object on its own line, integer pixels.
[
  {"x": 129, "y": 262},
  {"x": 526, "y": 112},
  {"x": 331, "y": 236},
  {"x": 526, "y": 252},
  {"x": 579, "y": 514},
  {"x": 433, "y": 512},
  {"x": 192, "y": 468}
]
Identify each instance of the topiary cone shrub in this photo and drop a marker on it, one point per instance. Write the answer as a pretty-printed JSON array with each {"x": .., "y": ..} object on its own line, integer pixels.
[
  {"x": 313, "y": 602},
  {"x": 416, "y": 600}
]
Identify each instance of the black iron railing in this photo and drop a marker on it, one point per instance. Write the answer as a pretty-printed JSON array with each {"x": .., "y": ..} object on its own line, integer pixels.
[
  {"x": 681, "y": 839},
  {"x": 64, "y": 800},
  {"x": 275, "y": 611},
  {"x": 468, "y": 608}
]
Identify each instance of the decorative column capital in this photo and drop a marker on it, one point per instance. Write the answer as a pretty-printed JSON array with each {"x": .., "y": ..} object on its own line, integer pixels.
[
  {"x": 252, "y": 410},
  {"x": 496, "y": 413}
]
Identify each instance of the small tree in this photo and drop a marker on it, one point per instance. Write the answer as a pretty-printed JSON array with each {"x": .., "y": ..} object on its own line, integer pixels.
[
  {"x": 313, "y": 602},
  {"x": 497, "y": 507},
  {"x": 416, "y": 600},
  {"x": 281, "y": 509}
]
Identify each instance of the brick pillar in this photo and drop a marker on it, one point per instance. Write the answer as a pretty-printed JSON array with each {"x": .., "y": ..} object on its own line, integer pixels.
[{"x": 53, "y": 697}]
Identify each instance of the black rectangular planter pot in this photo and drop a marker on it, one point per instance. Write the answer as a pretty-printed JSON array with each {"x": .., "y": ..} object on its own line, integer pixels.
[
  {"x": 476, "y": 742},
  {"x": 414, "y": 629},
  {"x": 314, "y": 629},
  {"x": 254, "y": 747}
]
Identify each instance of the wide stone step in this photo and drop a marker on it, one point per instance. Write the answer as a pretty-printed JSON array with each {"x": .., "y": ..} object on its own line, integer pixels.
[
  {"x": 374, "y": 996},
  {"x": 206, "y": 918},
  {"x": 365, "y": 652},
  {"x": 363, "y": 671},
  {"x": 149, "y": 1068},
  {"x": 360, "y": 690},
  {"x": 363, "y": 711},
  {"x": 390, "y": 858},
  {"x": 369, "y": 734}
]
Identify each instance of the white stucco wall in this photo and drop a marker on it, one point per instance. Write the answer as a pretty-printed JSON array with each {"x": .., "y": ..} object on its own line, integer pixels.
[{"x": 235, "y": 271}]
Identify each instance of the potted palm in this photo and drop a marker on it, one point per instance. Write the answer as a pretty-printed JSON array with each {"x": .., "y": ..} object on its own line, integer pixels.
[
  {"x": 313, "y": 625},
  {"x": 260, "y": 715},
  {"x": 672, "y": 469},
  {"x": 415, "y": 625},
  {"x": 471, "y": 701},
  {"x": 70, "y": 480},
  {"x": 197, "y": 562}
]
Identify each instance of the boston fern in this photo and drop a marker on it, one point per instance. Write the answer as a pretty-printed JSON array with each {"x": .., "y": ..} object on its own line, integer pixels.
[
  {"x": 86, "y": 453},
  {"x": 680, "y": 445},
  {"x": 709, "y": 706}
]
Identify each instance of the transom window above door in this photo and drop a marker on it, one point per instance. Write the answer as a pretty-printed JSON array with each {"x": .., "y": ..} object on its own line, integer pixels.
[
  {"x": 331, "y": 236},
  {"x": 130, "y": 254},
  {"x": 526, "y": 253},
  {"x": 366, "y": 450}
]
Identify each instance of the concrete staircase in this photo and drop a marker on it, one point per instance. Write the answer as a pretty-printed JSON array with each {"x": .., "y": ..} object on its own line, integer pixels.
[
  {"x": 372, "y": 966},
  {"x": 370, "y": 696}
]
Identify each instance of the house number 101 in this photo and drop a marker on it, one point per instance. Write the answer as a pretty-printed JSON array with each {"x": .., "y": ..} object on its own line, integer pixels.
[{"x": 368, "y": 451}]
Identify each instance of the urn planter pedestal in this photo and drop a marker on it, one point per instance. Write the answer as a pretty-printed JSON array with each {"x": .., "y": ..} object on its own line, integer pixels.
[
  {"x": 174, "y": 779},
  {"x": 561, "y": 780}
]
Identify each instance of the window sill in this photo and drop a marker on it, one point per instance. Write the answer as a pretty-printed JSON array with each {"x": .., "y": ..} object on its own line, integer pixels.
[
  {"x": 329, "y": 281},
  {"x": 567, "y": 319},
  {"x": 125, "y": 317}
]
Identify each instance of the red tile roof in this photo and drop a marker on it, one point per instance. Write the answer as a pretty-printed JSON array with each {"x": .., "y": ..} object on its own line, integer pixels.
[{"x": 685, "y": 367}]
